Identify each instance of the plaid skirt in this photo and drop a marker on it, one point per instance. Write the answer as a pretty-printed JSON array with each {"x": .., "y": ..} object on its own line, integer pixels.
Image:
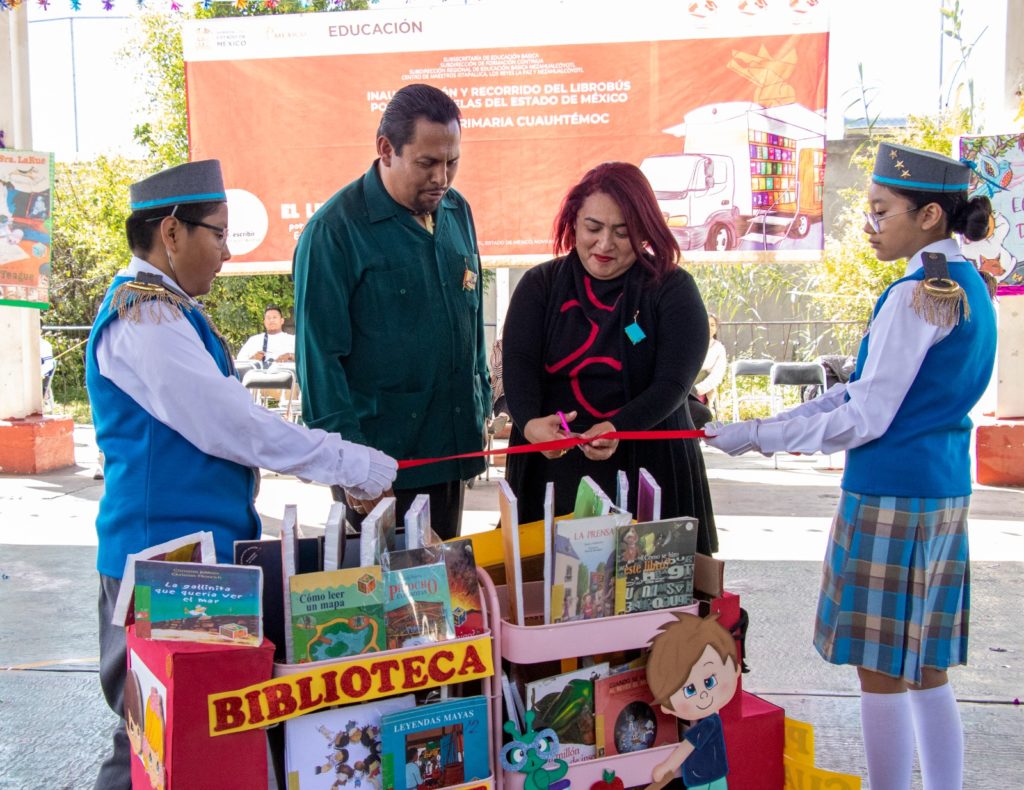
[{"x": 895, "y": 589}]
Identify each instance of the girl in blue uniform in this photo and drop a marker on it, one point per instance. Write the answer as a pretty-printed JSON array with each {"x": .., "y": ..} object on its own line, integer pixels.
[{"x": 894, "y": 598}]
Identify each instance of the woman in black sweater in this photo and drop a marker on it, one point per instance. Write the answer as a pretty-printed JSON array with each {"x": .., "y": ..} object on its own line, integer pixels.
[{"x": 612, "y": 334}]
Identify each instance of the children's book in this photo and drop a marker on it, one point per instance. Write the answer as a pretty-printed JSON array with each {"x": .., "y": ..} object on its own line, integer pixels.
[
  {"x": 438, "y": 745},
  {"x": 195, "y": 602},
  {"x": 417, "y": 601},
  {"x": 509, "y": 509},
  {"x": 565, "y": 703},
  {"x": 654, "y": 563},
  {"x": 549, "y": 542},
  {"x": 417, "y": 523},
  {"x": 463, "y": 584},
  {"x": 626, "y": 718},
  {"x": 337, "y": 613},
  {"x": 334, "y": 537},
  {"x": 622, "y": 490},
  {"x": 584, "y": 572},
  {"x": 648, "y": 497},
  {"x": 377, "y": 532},
  {"x": 591, "y": 500},
  {"x": 291, "y": 532},
  {"x": 196, "y": 547},
  {"x": 267, "y": 555},
  {"x": 340, "y": 747}
]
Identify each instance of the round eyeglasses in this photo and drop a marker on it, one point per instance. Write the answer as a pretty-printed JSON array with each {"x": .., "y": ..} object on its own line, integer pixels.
[{"x": 874, "y": 220}]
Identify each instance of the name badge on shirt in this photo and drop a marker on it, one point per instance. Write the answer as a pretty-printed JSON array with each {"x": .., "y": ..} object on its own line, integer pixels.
[
  {"x": 634, "y": 332},
  {"x": 469, "y": 277}
]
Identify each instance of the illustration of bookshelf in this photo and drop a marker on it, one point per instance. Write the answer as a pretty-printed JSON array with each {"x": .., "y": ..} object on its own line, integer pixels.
[{"x": 490, "y": 689}]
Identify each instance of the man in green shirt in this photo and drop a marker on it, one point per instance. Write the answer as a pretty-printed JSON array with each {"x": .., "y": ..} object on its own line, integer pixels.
[{"x": 389, "y": 322}]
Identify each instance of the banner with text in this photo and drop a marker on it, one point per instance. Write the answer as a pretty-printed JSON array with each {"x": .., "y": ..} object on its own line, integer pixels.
[
  {"x": 721, "y": 105},
  {"x": 25, "y": 181}
]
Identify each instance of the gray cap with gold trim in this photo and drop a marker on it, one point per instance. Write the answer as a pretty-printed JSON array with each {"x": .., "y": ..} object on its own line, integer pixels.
[
  {"x": 192, "y": 182},
  {"x": 919, "y": 171}
]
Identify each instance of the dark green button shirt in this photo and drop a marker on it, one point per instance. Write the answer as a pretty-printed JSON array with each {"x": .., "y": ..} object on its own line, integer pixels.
[{"x": 389, "y": 344}]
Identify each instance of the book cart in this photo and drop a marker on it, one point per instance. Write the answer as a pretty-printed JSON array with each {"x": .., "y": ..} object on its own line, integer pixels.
[
  {"x": 754, "y": 728},
  {"x": 403, "y": 656}
]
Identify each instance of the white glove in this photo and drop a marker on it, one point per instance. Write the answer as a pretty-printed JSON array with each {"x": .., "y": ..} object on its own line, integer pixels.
[
  {"x": 379, "y": 476},
  {"x": 735, "y": 438}
]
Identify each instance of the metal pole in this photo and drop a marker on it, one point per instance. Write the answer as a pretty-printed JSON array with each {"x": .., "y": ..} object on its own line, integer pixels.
[{"x": 74, "y": 79}]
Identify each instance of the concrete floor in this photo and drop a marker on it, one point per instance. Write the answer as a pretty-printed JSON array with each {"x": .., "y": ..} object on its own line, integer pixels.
[{"x": 773, "y": 523}]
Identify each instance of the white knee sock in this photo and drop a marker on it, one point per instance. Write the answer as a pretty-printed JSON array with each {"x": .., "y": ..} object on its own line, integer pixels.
[
  {"x": 888, "y": 740},
  {"x": 940, "y": 737}
]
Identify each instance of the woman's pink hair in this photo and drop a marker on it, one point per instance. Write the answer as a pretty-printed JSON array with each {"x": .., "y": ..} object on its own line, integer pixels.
[{"x": 655, "y": 247}]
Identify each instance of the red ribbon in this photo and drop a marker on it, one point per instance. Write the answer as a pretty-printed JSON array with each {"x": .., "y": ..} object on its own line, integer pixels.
[{"x": 558, "y": 444}]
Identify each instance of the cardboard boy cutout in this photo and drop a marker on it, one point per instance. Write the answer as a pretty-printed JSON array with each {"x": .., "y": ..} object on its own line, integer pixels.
[{"x": 693, "y": 671}]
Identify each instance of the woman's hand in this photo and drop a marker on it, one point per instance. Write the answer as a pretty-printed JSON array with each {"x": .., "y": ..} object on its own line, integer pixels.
[
  {"x": 599, "y": 449},
  {"x": 548, "y": 429}
]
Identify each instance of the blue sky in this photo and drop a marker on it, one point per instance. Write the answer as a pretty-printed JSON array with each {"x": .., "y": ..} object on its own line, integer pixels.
[{"x": 75, "y": 63}]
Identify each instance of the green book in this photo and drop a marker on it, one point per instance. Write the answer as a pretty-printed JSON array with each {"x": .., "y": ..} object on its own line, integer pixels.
[{"x": 337, "y": 613}]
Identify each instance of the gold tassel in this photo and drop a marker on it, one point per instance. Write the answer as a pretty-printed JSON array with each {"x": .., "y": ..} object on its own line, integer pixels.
[
  {"x": 941, "y": 302},
  {"x": 129, "y": 298}
]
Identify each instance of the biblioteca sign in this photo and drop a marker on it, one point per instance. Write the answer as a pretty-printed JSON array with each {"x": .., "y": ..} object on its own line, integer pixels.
[{"x": 347, "y": 682}]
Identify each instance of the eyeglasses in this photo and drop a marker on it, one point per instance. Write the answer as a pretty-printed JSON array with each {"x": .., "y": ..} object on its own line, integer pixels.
[
  {"x": 875, "y": 222},
  {"x": 222, "y": 233}
]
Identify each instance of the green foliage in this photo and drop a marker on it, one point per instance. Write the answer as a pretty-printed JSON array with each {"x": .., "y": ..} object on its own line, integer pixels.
[
  {"x": 236, "y": 304},
  {"x": 165, "y": 132},
  {"x": 90, "y": 205}
]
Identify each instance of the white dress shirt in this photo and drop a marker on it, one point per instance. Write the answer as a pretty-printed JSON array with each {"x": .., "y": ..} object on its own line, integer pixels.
[
  {"x": 161, "y": 363},
  {"x": 715, "y": 365},
  {"x": 898, "y": 339},
  {"x": 277, "y": 344}
]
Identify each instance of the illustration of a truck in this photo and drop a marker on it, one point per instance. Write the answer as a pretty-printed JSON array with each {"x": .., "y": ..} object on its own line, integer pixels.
[{"x": 747, "y": 174}]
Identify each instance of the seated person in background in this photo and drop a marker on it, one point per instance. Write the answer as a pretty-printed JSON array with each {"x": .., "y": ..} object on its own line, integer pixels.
[
  {"x": 46, "y": 363},
  {"x": 705, "y": 389},
  {"x": 273, "y": 345}
]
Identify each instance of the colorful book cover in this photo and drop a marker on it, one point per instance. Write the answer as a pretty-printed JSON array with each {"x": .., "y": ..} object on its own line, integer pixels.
[
  {"x": 654, "y": 564},
  {"x": 584, "y": 578},
  {"x": 194, "y": 602},
  {"x": 338, "y": 747},
  {"x": 565, "y": 703},
  {"x": 591, "y": 500},
  {"x": 417, "y": 605},
  {"x": 626, "y": 718},
  {"x": 438, "y": 745},
  {"x": 463, "y": 585},
  {"x": 337, "y": 613},
  {"x": 648, "y": 497}
]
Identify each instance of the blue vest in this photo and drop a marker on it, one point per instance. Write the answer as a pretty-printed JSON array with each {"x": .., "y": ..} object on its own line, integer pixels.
[
  {"x": 158, "y": 485},
  {"x": 926, "y": 450}
]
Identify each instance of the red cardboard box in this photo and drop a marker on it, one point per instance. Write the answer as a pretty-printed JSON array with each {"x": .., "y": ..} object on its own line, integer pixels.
[
  {"x": 168, "y": 723},
  {"x": 755, "y": 733}
]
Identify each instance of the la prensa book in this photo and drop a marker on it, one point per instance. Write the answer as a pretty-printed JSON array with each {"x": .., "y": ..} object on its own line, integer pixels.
[
  {"x": 337, "y": 613},
  {"x": 565, "y": 703},
  {"x": 584, "y": 569},
  {"x": 194, "y": 602},
  {"x": 417, "y": 605},
  {"x": 439, "y": 745},
  {"x": 654, "y": 564},
  {"x": 626, "y": 718},
  {"x": 341, "y": 746}
]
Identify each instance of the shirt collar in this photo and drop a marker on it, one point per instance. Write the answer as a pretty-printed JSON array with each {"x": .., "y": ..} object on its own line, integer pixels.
[
  {"x": 947, "y": 247},
  {"x": 380, "y": 205},
  {"x": 137, "y": 265}
]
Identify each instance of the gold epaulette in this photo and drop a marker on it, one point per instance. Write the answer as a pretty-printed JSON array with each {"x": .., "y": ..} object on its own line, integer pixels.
[
  {"x": 146, "y": 288},
  {"x": 939, "y": 299}
]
